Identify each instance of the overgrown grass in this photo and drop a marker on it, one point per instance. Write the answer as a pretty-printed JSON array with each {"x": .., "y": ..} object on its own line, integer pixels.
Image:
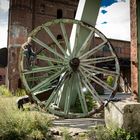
[
  {"x": 20, "y": 92},
  {"x": 5, "y": 91},
  {"x": 103, "y": 133},
  {"x": 21, "y": 125},
  {"x": 66, "y": 135}
]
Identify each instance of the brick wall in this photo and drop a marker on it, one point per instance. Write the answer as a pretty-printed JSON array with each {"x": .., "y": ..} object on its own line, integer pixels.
[
  {"x": 134, "y": 61},
  {"x": 24, "y": 16},
  {"x": 2, "y": 75}
]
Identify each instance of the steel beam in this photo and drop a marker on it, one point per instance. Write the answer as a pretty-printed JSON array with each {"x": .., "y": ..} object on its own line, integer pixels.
[{"x": 87, "y": 12}]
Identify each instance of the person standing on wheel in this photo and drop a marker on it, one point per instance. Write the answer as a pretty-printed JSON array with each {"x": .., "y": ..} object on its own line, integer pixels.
[{"x": 28, "y": 51}]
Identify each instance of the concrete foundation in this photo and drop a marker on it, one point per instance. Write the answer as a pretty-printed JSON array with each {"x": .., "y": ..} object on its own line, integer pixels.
[{"x": 124, "y": 114}]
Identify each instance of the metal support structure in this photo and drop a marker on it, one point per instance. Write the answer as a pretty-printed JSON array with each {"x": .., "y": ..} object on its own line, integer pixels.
[
  {"x": 68, "y": 66},
  {"x": 79, "y": 34}
]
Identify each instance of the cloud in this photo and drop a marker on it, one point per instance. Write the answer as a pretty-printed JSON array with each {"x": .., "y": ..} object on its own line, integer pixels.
[
  {"x": 3, "y": 36},
  {"x": 4, "y": 4},
  {"x": 116, "y": 21}
]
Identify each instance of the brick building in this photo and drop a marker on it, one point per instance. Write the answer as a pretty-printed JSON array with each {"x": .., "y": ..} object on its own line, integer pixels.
[
  {"x": 135, "y": 47},
  {"x": 2, "y": 76},
  {"x": 24, "y": 16}
]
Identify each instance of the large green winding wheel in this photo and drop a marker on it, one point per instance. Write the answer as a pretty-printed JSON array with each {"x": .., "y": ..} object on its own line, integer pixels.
[{"x": 73, "y": 73}]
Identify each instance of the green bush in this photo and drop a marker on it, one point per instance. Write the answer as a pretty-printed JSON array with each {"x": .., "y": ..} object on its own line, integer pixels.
[
  {"x": 91, "y": 103},
  {"x": 66, "y": 134},
  {"x": 20, "y": 92},
  {"x": 5, "y": 91},
  {"x": 103, "y": 133},
  {"x": 110, "y": 80},
  {"x": 20, "y": 125}
]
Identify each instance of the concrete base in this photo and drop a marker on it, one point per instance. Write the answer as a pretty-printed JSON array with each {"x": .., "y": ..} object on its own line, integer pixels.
[{"x": 124, "y": 114}]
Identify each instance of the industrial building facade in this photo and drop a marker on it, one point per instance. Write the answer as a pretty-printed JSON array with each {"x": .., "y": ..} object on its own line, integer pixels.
[{"x": 24, "y": 16}]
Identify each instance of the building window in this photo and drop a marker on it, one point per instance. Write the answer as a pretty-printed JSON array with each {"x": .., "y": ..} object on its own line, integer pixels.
[
  {"x": 19, "y": 83},
  {"x": 74, "y": 13},
  {"x": 59, "y": 37},
  {"x": 59, "y": 13},
  {"x": 1, "y": 78},
  {"x": 42, "y": 8}
]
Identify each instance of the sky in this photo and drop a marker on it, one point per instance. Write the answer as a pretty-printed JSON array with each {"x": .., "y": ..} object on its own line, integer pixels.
[
  {"x": 4, "y": 4},
  {"x": 113, "y": 20}
]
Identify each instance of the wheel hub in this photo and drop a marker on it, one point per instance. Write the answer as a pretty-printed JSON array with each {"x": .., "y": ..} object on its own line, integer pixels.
[{"x": 74, "y": 63}]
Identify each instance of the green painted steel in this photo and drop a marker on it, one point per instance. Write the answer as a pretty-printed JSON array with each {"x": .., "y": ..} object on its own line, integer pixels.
[
  {"x": 68, "y": 72},
  {"x": 83, "y": 35}
]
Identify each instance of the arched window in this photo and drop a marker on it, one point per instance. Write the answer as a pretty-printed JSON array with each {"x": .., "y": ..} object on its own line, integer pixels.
[{"x": 59, "y": 13}]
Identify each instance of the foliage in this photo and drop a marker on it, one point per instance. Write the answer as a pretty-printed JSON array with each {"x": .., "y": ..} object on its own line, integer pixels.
[
  {"x": 5, "y": 91},
  {"x": 103, "y": 133},
  {"x": 91, "y": 103},
  {"x": 20, "y": 125},
  {"x": 66, "y": 135},
  {"x": 110, "y": 80},
  {"x": 20, "y": 92}
]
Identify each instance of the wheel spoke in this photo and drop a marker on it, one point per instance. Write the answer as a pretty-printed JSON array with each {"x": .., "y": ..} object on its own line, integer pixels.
[
  {"x": 47, "y": 47},
  {"x": 64, "y": 67},
  {"x": 97, "y": 80},
  {"x": 87, "y": 84},
  {"x": 81, "y": 95},
  {"x": 94, "y": 50},
  {"x": 98, "y": 60},
  {"x": 100, "y": 70},
  {"x": 55, "y": 40},
  {"x": 68, "y": 86},
  {"x": 46, "y": 81},
  {"x": 54, "y": 93},
  {"x": 41, "y": 69},
  {"x": 76, "y": 40},
  {"x": 87, "y": 41},
  {"x": 40, "y": 57},
  {"x": 65, "y": 37}
]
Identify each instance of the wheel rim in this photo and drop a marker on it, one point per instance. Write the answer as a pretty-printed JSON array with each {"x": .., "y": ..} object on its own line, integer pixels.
[{"x": 84, "y": 67}]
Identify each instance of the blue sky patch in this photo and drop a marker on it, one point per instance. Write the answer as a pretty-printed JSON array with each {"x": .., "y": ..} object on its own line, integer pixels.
[
  {"x": 103, "y": 11},
  {"x": 106, "y": 3}
]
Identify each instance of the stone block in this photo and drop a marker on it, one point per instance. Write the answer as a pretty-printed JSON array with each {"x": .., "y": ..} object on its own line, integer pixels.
[{"x": 124, "y": 114}]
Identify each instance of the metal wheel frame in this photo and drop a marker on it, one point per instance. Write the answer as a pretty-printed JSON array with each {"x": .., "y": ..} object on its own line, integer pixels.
[{"x": 76, "y": 69}]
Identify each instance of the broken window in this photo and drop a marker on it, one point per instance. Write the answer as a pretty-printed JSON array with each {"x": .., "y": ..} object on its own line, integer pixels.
[{"x": 59, "y": 13}]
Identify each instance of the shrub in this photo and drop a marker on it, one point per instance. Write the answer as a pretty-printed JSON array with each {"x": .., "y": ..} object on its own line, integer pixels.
[
  {"x": 91, "y": 103},
  {"x": 5, "y": 91},
  {"x": 110, "y": 80},
  {"x": 18, "y": 125},
  {"x": 66, "y": 135},
  {"x": 20, "y": 92},
  {"x": 103, "y": 133}
]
